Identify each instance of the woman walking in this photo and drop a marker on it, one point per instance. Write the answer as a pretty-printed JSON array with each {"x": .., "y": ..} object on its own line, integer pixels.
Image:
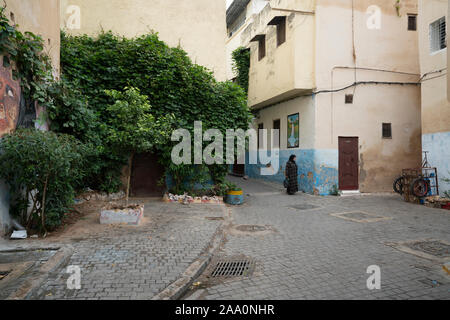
[{"x": 291, "y": 175}]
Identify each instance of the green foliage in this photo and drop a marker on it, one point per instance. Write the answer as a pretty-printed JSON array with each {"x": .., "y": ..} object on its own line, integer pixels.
[
  {"x": 446, "y": 193},
  {"x": 41, "y": 168},
  {"x": 334, "y": 190},
  {"x": 131, "y": 128},
  {"x": 241, "y": 66},
  {"x": 31, "y": 66},
  {"x": 173, "y": 84}
]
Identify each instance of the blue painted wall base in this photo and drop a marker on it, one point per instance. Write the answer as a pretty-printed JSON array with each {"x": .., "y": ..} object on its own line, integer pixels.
[
  {"x": 318, "y": 169},
  {"x": 438, "y": 147}
]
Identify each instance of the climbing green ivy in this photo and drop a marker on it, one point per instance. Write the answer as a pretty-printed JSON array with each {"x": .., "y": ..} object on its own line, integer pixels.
[
  {"x": 24, "y": 53},
  {"x": 173, "y": 84},
  {"x": 241, "y": 66}
]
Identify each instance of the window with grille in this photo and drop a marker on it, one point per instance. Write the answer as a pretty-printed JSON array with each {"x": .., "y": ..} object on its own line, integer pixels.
[
  {"x": 438, "y": 35},
  {"x": 412, "y": 22},
  {"x": 387, "y": 130}
]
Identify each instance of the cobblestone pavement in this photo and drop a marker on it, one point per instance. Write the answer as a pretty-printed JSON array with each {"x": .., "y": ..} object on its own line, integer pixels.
[
  {"x": 137, "y": 262},
  {"x": 312, "y": 254}
]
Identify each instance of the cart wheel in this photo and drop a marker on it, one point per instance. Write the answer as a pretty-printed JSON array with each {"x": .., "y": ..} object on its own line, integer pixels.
[
  {"x": 420, "y": 187},
  {"x": 398, "y": 185}
]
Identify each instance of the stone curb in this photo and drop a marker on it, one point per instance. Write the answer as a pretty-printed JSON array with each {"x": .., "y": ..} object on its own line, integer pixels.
[
  {"x": 27, "y": 289},
  {"x": 176, "y": 289}
]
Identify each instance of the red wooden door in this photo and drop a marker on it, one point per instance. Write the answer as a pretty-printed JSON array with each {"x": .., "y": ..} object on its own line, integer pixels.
[
  {"x": 145, "y": 176},
  {"x": 348, "y": 163}
]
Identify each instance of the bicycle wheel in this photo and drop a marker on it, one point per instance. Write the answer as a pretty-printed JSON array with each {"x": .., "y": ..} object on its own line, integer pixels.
[
  {"x": 398, "y": 185},
  {"x": 420, "y": 188}
]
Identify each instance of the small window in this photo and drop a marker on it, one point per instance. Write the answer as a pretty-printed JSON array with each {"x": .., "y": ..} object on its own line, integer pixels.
[
  {"x": 281, "y": 32},
  {"x": 387, "y": 130},
  {"x": 277, "y": 126},
  {"x": 438, "y": 35},
  {"x": 412, "y": 22},
  {"x": 349, "y": 98},
  {"x": 260, "y": 134},
  {"x": 262, "y": 48},
  {"x": 13, "y": 18},
  {"x": 261, "y": 39},
  {"x": 280, "y": 23}
]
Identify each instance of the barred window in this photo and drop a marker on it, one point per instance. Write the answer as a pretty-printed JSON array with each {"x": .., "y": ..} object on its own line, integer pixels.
[{"x": 438, "y": 35}]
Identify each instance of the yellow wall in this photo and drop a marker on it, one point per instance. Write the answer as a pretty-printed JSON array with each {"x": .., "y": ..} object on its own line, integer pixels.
[
  {"x": 40, "y": 17},
  {"x": 435, "y": 105},
  {"x": 287, "y": 70},
  {"x": 198, "y": 26}
]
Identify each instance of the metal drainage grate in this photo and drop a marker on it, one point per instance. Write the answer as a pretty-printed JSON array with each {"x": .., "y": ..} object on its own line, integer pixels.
[
  {"x": 3, "y": 274},
  {"x": 233, "y": 268},
  {"x": 304, "y": 207},
  {"x": 435, "y": 248}
]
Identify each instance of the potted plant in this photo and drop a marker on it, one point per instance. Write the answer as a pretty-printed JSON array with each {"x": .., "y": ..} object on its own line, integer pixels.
[{"x": 234, "y": 195}]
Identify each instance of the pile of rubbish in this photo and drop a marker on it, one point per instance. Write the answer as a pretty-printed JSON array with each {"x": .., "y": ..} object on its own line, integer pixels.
[
  {"x": 186, "y": 199},
  {"x": 95, "y": 196},
  {"x": 437, "y": 202}
]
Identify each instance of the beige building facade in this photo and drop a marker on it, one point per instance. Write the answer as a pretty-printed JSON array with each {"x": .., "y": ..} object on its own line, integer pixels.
[
  {"x": 434, "y": 55},
  {"x": 197, "y": 26},
  {"x": 341, "y": 81}
]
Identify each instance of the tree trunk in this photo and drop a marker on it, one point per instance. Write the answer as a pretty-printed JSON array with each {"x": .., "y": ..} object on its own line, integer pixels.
[
  {"x": 43, "y": 207},
  {"x": 130, "y": 164}
]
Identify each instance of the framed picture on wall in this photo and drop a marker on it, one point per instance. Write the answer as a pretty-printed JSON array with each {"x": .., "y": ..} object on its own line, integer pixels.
[{"x": 293, "y": 131}]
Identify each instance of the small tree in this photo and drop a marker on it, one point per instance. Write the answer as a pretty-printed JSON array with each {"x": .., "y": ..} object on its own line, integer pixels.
[
  {"x": 132, "y": 128},
  {"x": 42, "y": 170}
]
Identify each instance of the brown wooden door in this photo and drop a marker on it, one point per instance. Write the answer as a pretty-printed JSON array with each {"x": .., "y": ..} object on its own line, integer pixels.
[
  {"x": 348, "y": 163},
  {"x": 145, "y": 176}
]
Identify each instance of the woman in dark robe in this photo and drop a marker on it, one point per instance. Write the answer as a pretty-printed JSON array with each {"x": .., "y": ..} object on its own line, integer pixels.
[{"x": 291, "y": 175}]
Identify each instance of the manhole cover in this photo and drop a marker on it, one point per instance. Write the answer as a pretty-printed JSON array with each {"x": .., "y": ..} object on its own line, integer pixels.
[
  {"x": 251, "y": 228},
  {"x": 215, "y": 218},
  {"x": 3, "y": 274},
  {"x": 359, "y": 216},
  {"x": 435, "y": 248},
  {"x": 304, "y": 207},
  {"x": 233, "y": 268}
]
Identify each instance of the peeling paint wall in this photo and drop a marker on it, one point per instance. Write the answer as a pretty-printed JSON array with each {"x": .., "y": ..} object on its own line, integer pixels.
[
  {"x": 435, "y": 103},
  {"x": 42, "y": 18},
  {"x": 198, "y": 26}
]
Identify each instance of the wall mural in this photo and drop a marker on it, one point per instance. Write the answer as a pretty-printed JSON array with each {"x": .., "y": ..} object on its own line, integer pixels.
[
  {"x": 9, "y": 100},
  {"x": 293, "y": 132}
]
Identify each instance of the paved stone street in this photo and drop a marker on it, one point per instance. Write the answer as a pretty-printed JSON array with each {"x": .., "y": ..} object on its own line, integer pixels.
[
  {"x": 137, "y": 262},
  {"x": 309, "y": 253},
  {"x": 302, "y": 246}
]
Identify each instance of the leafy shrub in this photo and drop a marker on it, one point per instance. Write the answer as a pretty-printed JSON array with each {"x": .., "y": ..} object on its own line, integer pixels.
[
  {"x": 41, "y": 169},
  {"x": 173, "y": 84}
]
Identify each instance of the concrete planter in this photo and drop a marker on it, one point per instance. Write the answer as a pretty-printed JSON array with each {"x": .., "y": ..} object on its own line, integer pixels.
[
  {"x": 131, "y": 215},
  {"x": 235, "y": 197}
]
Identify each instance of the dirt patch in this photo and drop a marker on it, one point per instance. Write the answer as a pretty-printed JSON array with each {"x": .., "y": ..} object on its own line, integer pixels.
[{"x": 84, "y": 223}]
